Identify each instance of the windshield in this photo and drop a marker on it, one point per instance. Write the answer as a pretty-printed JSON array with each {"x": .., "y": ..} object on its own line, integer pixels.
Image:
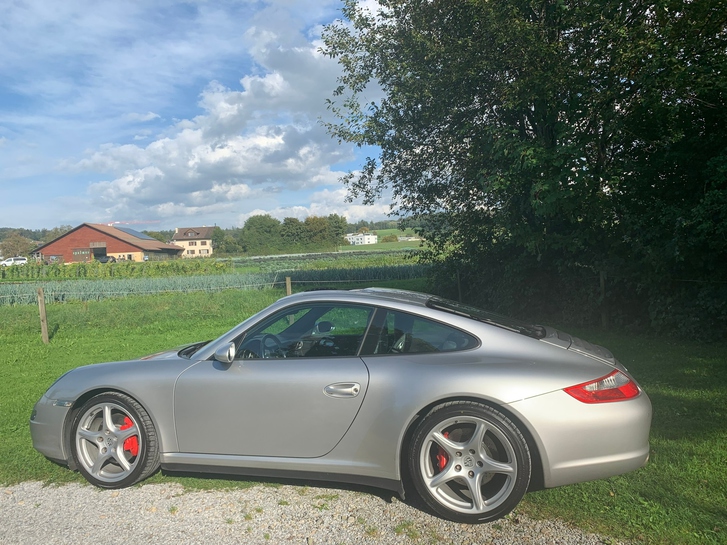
[{"x": 474, "y": 313}]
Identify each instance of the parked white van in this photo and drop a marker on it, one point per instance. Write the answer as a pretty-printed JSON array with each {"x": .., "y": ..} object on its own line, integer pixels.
[{"x": 14, "y": 261}]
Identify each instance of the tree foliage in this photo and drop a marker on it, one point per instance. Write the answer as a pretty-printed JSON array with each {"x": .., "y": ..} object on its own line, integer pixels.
[
  {"x": 55, "y": 233},
  {"x": 37, "y": 235},
  {"x": 161, "y": 236},
  {"x": 265, "y": 235},
  {"x": 16, "y": 245},
  {"x": 548, "y": 147}
]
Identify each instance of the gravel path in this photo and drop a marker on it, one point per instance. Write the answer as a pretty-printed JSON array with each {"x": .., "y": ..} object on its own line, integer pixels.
[{"x": 158, "y": 513}]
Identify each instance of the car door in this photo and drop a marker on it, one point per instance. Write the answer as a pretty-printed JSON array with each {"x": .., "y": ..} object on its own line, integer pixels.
[{"x": 295, "y": 397}]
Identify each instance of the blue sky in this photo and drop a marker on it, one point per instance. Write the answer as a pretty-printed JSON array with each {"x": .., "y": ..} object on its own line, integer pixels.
[{"x": 165, "y": 114}]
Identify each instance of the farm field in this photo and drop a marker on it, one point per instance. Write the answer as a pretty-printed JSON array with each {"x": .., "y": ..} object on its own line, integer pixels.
[
  {"x": 383, "y": 246},
  {"x": 251, "y": 273},
  {"x": 679, "y": 497}
]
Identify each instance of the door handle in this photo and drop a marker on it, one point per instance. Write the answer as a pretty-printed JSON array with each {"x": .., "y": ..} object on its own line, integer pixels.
[{"x": 342, "y": 389}]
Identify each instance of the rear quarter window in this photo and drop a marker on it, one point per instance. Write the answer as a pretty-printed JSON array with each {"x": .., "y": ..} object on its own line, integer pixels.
[{"x": 396, "y": 332}]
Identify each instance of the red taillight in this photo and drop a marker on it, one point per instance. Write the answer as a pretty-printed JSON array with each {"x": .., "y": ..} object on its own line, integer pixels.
[{"x": 614, "y": 387}]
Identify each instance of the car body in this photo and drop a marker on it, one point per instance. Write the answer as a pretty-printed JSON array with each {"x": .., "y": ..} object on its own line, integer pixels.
[
  {"x": 373, "y": 386},
  {"x": 105, "y": 259},
  {"x": 10, "y": 261}
]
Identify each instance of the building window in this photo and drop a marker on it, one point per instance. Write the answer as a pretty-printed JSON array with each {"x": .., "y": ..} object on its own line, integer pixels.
[
  {"x": 190, "y": 252},
  {"x": 192, "y": 243},
  {"x": 203, "y": 243},
  {"x": 204, "y": 252}
]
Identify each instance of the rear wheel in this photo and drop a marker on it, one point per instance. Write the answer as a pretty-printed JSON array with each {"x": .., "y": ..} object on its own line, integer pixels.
[
  {"x": 469, "y": 462},
  {"x": 113, "y": 441}
]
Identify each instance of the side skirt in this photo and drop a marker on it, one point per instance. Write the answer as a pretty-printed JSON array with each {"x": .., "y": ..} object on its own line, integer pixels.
[{"x": 376, "y": 482}]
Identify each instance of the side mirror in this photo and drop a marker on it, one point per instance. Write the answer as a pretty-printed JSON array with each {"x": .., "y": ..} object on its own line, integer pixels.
[
  {"x": 225, "y": 353},
  {"x": 324, "y": 327}
]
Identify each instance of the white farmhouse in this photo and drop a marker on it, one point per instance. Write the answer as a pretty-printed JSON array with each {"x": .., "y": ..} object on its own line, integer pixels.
[
  {"x": 196, "y": 241},
  {"x": 356, "y": 239}
]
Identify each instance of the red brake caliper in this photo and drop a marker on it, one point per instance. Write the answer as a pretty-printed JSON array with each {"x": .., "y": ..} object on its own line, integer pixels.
[
  {"x": 442, "y": 457},
  {"x": 132, "y": 443}
]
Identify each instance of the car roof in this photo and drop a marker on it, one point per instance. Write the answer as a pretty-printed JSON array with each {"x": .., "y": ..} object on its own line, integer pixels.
[
  {"x": 434, "y": 306},
  {"x": 373, "y": 295}
]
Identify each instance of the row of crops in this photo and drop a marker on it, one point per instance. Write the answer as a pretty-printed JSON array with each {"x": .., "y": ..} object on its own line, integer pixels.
[
  {"x": 349, "y": 259},
  {"x": 94, "y": 290},
  {"x": 119, "y": 270},
  {"x": 95, "y": 270}
]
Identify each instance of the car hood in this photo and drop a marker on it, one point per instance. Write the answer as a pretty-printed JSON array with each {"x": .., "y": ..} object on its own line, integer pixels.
[
  {"x": 174, "y": 352},
  {"x": 162, "y": 355}
]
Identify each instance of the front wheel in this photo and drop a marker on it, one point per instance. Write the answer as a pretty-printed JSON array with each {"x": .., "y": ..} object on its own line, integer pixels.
[
  {"x": 469, "y": 462},
  {"x": 113, "y": 441}
]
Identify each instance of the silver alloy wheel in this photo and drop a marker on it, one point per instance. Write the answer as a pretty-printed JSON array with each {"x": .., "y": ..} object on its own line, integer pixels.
[
  {"x": 102, "y": 442},
  {"x": 468, "y": 465}
]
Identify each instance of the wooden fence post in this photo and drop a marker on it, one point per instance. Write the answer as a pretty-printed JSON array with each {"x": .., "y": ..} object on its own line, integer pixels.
[
  {"x": 288, "y": 286},
  {"x": 43, "y": 316}
]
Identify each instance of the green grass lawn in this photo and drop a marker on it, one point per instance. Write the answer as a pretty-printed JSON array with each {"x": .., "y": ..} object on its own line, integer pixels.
[{"x": 679, "y": 497}]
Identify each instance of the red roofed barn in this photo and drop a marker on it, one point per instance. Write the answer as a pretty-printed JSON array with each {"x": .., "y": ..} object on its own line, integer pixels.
[{"x": 91, "y": 241}]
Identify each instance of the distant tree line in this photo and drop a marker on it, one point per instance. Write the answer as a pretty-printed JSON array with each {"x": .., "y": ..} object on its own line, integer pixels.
[
  {"x": 260, "y": 235},
  {"x": 22, "y": 242},
  {"x": 265, "y": 235}
]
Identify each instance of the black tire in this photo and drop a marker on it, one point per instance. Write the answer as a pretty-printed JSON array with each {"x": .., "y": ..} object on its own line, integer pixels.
[
  {"x": 469, "y": 462},
  {"x": 113, "y": 441}
]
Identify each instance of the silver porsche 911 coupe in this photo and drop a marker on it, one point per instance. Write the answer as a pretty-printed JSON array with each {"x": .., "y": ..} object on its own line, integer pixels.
[{"x": 373, "y": 386}]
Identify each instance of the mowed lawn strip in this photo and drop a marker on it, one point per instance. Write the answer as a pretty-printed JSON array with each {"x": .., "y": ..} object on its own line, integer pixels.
[{"x": 679, "y": 497}]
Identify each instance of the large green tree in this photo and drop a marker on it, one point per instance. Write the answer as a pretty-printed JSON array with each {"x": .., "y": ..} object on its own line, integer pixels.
[
  {"x": 16, "y": 244},
  {"x": 293, "y": 233},
  {"x": 337, "y": 227},
  {"x": 547, "y": 148},
  {"x": 318, "y": 230},
  {"x": 260, "y": 235}
]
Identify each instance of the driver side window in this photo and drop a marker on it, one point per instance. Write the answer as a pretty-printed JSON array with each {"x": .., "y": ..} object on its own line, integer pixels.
[{"x": 307, "y": 331}]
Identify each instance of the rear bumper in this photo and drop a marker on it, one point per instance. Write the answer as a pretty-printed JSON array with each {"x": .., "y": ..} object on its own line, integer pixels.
[{"x": 582, "y": 442}]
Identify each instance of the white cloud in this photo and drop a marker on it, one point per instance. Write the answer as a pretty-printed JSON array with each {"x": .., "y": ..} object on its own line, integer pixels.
[
  {"x": 264, "y": 135},
  {"x": 141, "y": 117},
  {"x": 243, "y": 83}
]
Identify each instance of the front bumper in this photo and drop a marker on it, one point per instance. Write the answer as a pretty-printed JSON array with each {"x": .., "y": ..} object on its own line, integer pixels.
[{"x": 46, "y": 428}]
